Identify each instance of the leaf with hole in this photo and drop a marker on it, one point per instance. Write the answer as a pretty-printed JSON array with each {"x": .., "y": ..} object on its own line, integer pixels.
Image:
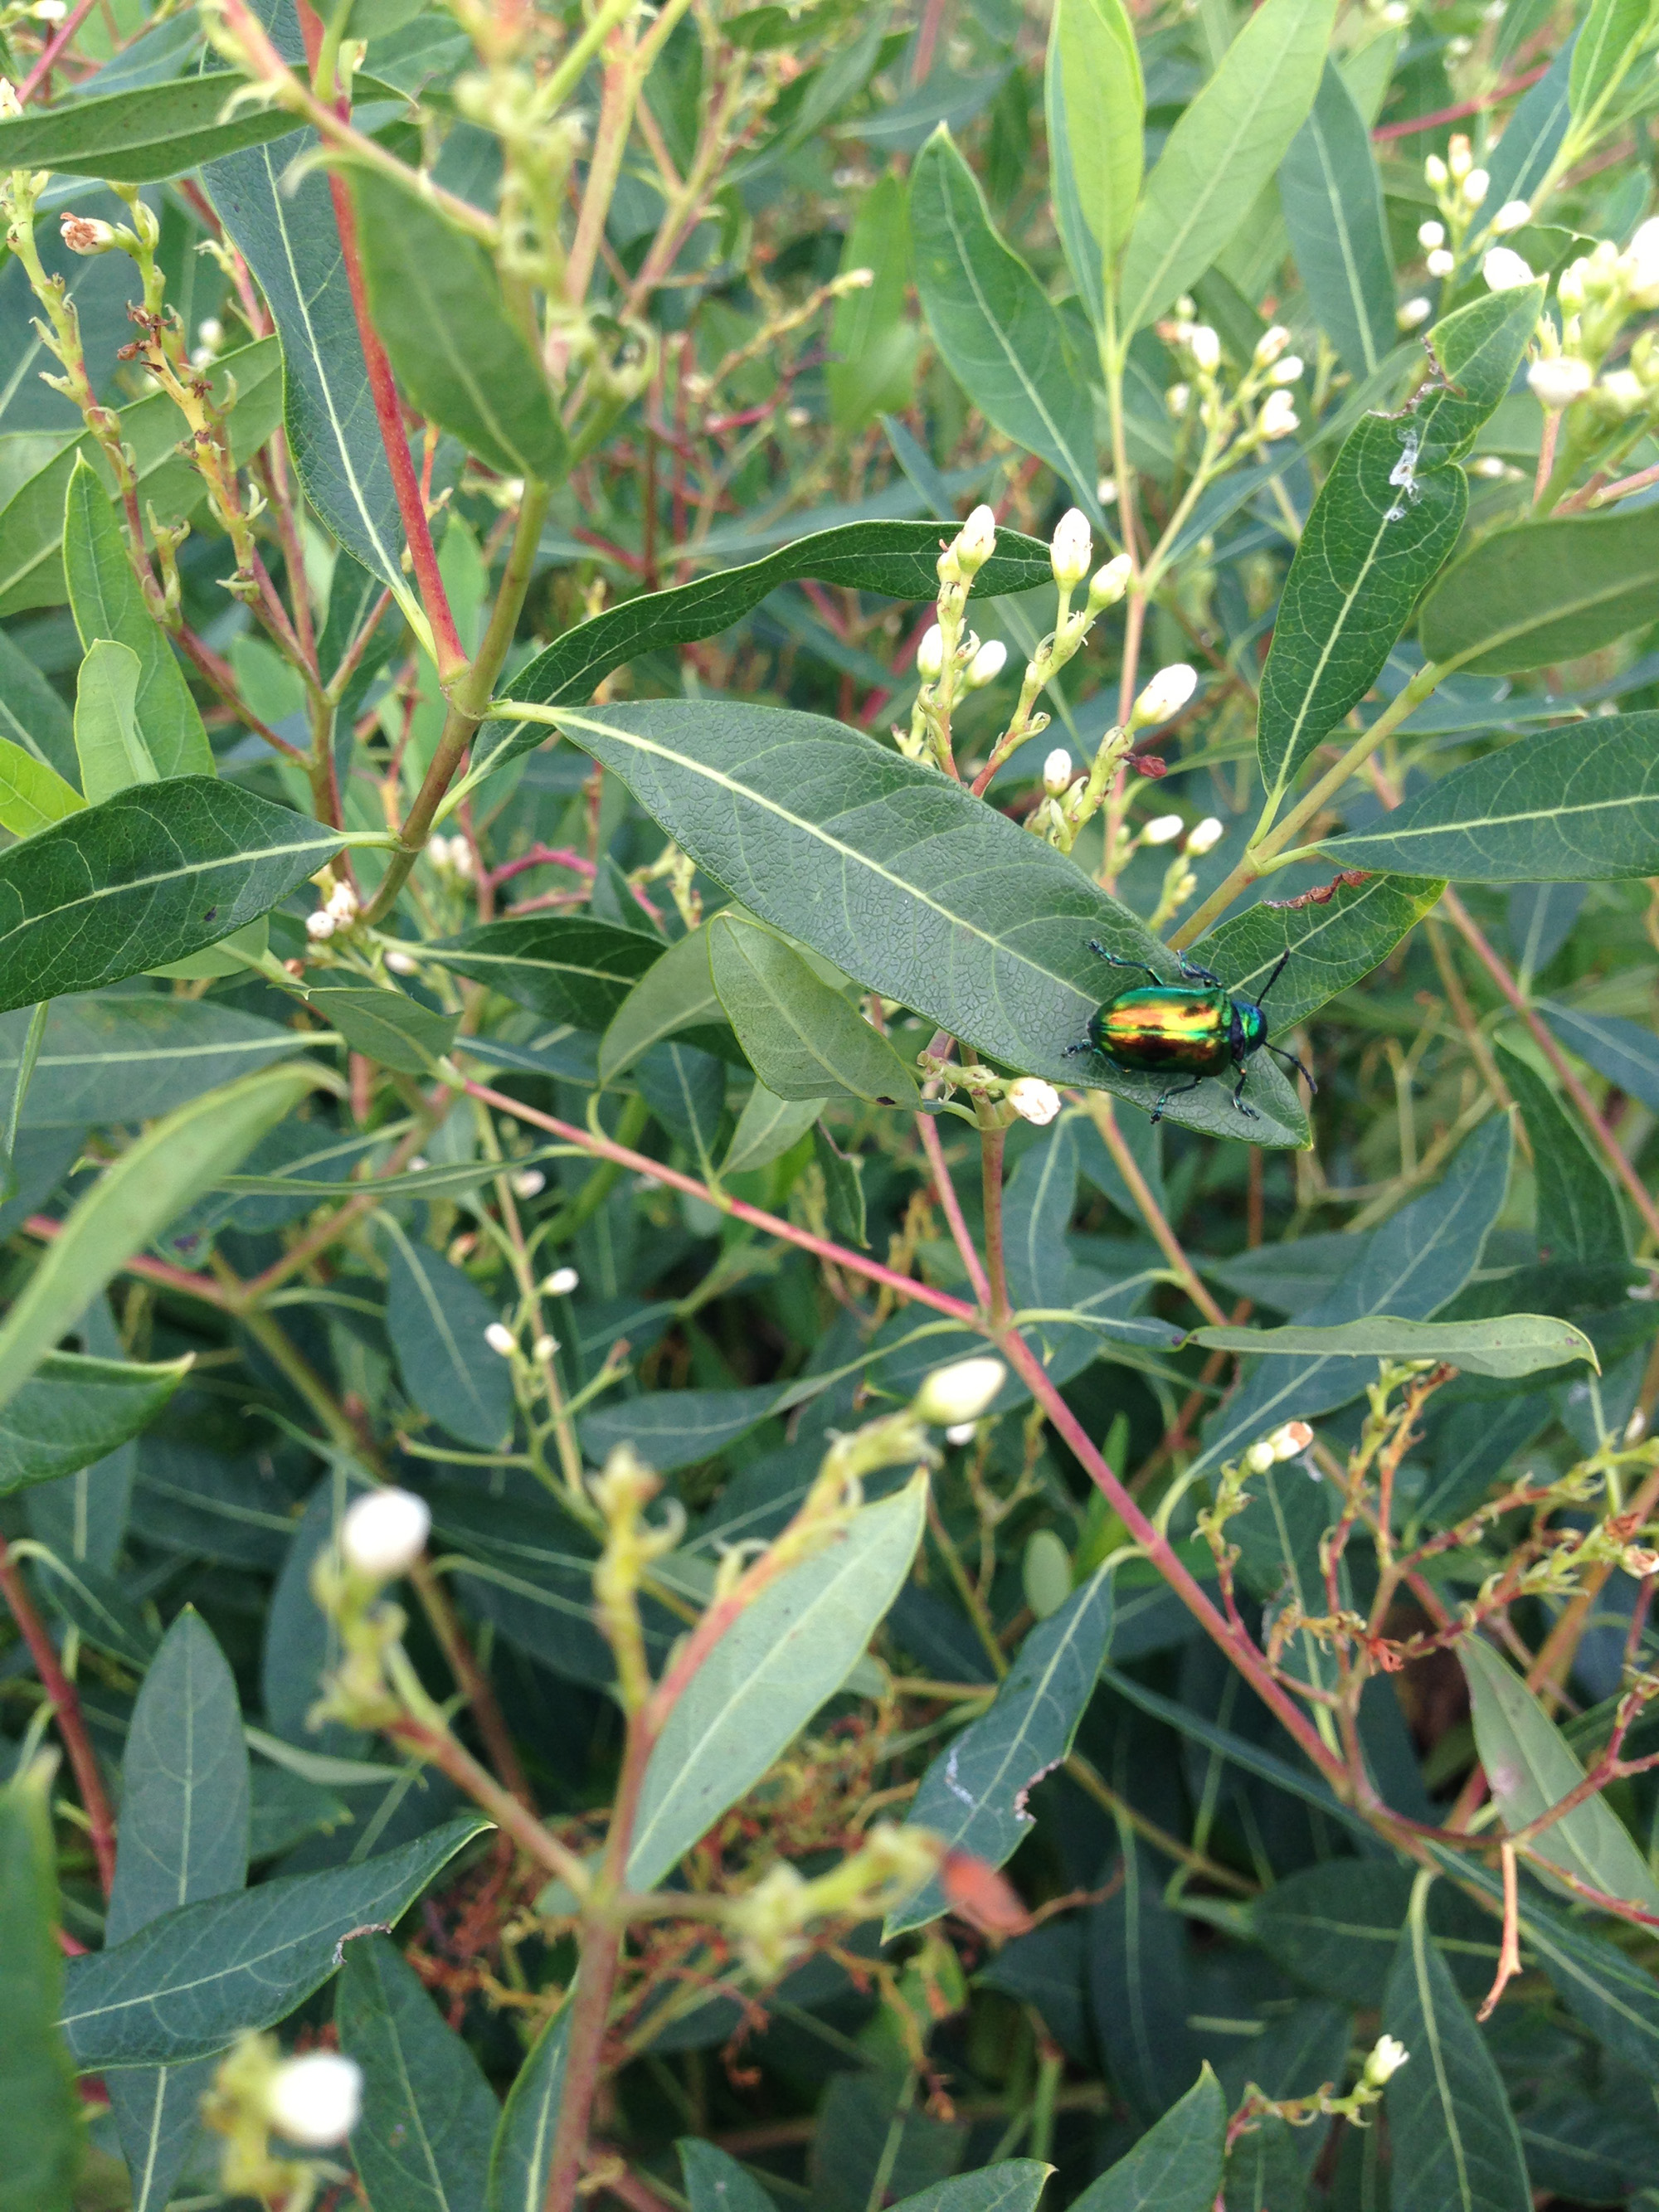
[{"x": 1332, "y": 943}]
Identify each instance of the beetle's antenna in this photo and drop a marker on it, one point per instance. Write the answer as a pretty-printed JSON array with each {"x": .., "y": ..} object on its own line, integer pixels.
[
  {"x": 1291, "y": 1061},
  {"x": 1274, "y": 977}
]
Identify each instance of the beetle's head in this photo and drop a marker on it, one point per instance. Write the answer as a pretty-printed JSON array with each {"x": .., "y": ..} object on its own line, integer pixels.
[{"x": 1253, "y": 1024}]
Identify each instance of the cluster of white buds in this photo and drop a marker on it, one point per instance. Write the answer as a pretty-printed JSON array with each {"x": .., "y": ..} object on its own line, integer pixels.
[
  {"x": 1179, "y": 880},
  {"x": 950, "y": 660},
  {"x": 451, "y": 856},
  {"x": 1289, "y": 1441},
  {"x": 1596, "y": 293},
  {"x": 337, "y": 913},
  {"x": 1461, "y": 189}
]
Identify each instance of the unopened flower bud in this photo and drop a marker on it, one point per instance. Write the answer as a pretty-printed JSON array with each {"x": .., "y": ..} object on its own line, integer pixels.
[
  {"x": 1034, "y": 1100},
  {"x": 1504, "y": 271},
  {"x": 499, "y": 1338},
  {"x": 1205, "y": 347},
  {"x": 1622, "y": 392},
  {"x": 543, "y": 1349},
  {"x": 1431, "y": 234},
  {"x": 1459, "y": 159},
  {"x": 976, "y": 541},
  {"x": 1435, "y": 170},
  {"x": 1166, "y": 695},
  {"x": 383, "y": 1532},
  {"x": 1271, "y": 344},
  {"x": 88, "y": 235},
  {"x": 401, "y": 964},
  {"x": 1107, "y": 585},
  {"x": 987, "y": 665},
  {"x": 560, "y": 1283},
  {"x": 315, "y": 2101},
  {"x": 1385, "y": 2060},
  {"x": 960, "y": 1392},
  {"x": 1636, "y": 1428},
  {"x": 1412, "y": 314},
  {"x": 1177, "y": 396},
  {"x": 1206, "y": 834},
  {"x": 321, "y": 925},
  {"x": 529, "y": 1183},
  {"x": 1291, "y": 1439},
  {"x": 1260, "y": 1457},
  {"x": 1441, "y": 262},
  {"x": 1278, "y": 418},
  {"x": 1514, "y": 215},
  {"x": 343, "y": 905},
  {"x": 1071, "y": 549},
  {"x": 1057, "y": 772},
  {"x": 1638, "y": 1560},
  {"x": 960, "y": 1432},
  {"x": 1161, "y": 829},
  {"x": 1288, "y": 371},
  {"x": 930, "y": 655},
  {"x": 211, "y": 331},
  {"x": 1558, "y": 383},
  {"x": 1476, "y": 185}
]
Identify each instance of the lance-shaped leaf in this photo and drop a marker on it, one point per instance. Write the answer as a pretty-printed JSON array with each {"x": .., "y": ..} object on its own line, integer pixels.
[
  {"x": 1002, "y": 338},
  {"x": 673, "y": 1429},
  {"x": 1625, "y": 1052},
  {"x": 39, "y": 2111},
  {"x": 33, "y": 795},
  {"x": 1222, "y": 154},
  {"x": 715, "y": 2182},
  {"x": 802, "y": 1039},
  {"x": 1514, "y": 1343},
  {"x": 676, "y": 996},
  {"x": 767, "y": 1127},
  {"x": 1578, "y": 1222},
  {"x": 133, "y": 1056},
  {"x": 1579, "y": 805},
  {"x": 974, "y": 1793},
  {"x": 567, "y": 968},
  {"x": 1532, "y": 137},
  {"x": 1096, "y": 108},
  {"x": 903, "y": 880},
  {"x": 1332, "y": 943},
  {"x": 151, "y": 875},
  {"x": 460, "y": 353},
  {"x": 387, "y": 1027},
  {"x": 188, "y": 1983},
  {"x": 1611, "y": 35},
  {"x": 138, "y": 137},
  {"x": 1176, "y": 2165},
  {"x": 429, "y": 2116},
  {"x": 1544, "y": 592},
  {"x": 436, "y": 1317},
  {"x": 113, "y": 755},
  {"x": 1479, "y": 348},
  {"x": 1332, "y": 197},
  {"x": 523, "y": 2149},
  {"x": 73, "y": 1410},
  {"x": 1013, "y": 2185}
]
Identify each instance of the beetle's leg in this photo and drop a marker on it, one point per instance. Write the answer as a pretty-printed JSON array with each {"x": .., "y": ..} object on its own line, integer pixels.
[
  {"x": 1116, "y": 960},
  {"x": 1179, "y": 1092},
  {"x": 1291, "y": 1061},
  {"x": 1279, "y": 970},
  {"x": 1249, "y": 1112},
  {"x": 1072, "y": 1051},
  {"x": 1192, "y": 973}
]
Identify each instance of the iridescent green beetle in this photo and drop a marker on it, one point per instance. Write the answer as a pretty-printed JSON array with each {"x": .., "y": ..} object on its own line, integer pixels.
[{"x": 1197, "y": 1024}]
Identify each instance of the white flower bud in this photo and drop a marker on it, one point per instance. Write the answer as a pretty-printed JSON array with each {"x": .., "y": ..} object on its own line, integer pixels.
[
  {"x": 1476, "y": 185},
  {"x": 1621, "y": 392},
  {"x": 1459, "y": 160},
  {"x": 543, "y": 1349},
  {"x": 1558, "y": 382},
  {"x": 1177, "y": 397},
  {"x": 1288, "y": 371},
  {"x": 1206, "y": 836},
  {"x": 1106, "y": 491},
  {"x": 321, "y": 925},
  {"x": 1490, "y": 465},
  {"x": 1034, "y": 1100},
  {"x": 1640, "y": 265},
  {"x": 1057, "y": 772},
  {"x": 1107, "y": 585},
  {"x": 1396, "y": 15},
  {"x": 1205, "y": 347},
  {"x": 210, "y": 332},
  {"x": 560, "y": 1283},
  {"x": 460, "y": 857},
  {"x": 499, "y": 1338},
  {"x": 1166, "y": 695},
  {"x": 1504, "y": 271},
  {"x": 960, "y": 1432},
  {"x": 1161, "y": 829},
  {"x": 401, "y": 964},
  {"x": 1260, "y": 1457},
  {"x": 529, "y": 1183},
  {"x": 1460, "y": 48},
  {"x": 1072, "y": 549},
  {"x": 1431, "y": 234},
  {"x": 1385, "y": 2060},
  {"x": 1269, "y": 346},
  {"x": 976, "y": 541},
  {"x": 383, "y": 1532},
  {"x": 1636, "y": 1428},
  {"x": 930, "y": 655},
  {"x": 1570, "y": 285},
  {"x": 1278, "y": 418},
  {"x": 987, "y": 665},
  {"x": 1514, "y": 215},
  {"x": 85, "y": 233},
  {"x": 343, "y": 904},
  {"x": 1412, "y": 314},
  {"x": 315, "y": 2101},
  {"x": 1441, "y": 262},
  {"x": 1291, "y": 1439},
  {"x": 960, "y": 1392},
  {"x": 1435, "y": 170},
  {"x": 437, "y": 850}
]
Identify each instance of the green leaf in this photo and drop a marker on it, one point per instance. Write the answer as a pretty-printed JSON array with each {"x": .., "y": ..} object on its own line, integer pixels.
[
  {"x": 428, "y": 2119},
  {"x": 1454, "y": 2139},
  {"x": 1332, "y": 197},
  {"x": 1625, "y": 1052},
  {"x": 567, "y": 968},
  {"x": 460, "y": 353},
  {"x": 715, "y": 2182},
  {"x": 33, "y": 795},
  {"x": 32, "y": 715},
  {"x": 766, "y": 1128},
  {"x": 151, "y": 875},
  {"x": 73, "y": 1410},
  {"x": 872, "y": 365},
  {"x": 1332, "y": 943},
  {"x": 1264, "y": 2170},
  {"x": 1412, "y": 1266},
  {"x": 523, "y": 2149},
  {"x": 1577, "y": 805},
  {"x": 1579, "y": 1222},
  {"x": 191, "y": 1982},
  {"x": 31, "y": 520},
  {"x": 387, "y": 1027},
  {"x": 1515, "y": 1344},
  {"x": 843, "y": 1187},
  {"x": 1336, "y": 1928},
  {"x": 1368, "y": 551},
  {"x": 802, "y": 1039},
  {"x": 139, "y": 136},
  {"x": 1096, "y": 107},
  {"x": 1613, "y": 1995},
  {"x": 1013, "y": 2185},
  {"x": 1544, "y": 592},
  {"x": 113, "y": 755},
  {"x": 1530, "y": 1768},
  {"x": 1222, "y": 154},
  {"x": 1532, "y": 137},
  {"x": 1608, "y": 41},
  {"x": 974, "y": 1793},
  {"x": 1001, "y": 339},
  {"x": 107, "y": 602},
  {"x": 1480, "y": 347},
  {"x": 897, "y": 559},
  {"x": 168, "y": 1167},
  {"x": 93, "y": 1603},
  {"x": 778, "y": 1662},
  {"x": 675, "y": 995},
  {"x": 903, "y": 879},
  {"x": 39, "y": 2111},
  {"x": 135, "y": 1055},
  {"x": 673, "y": 1429},
  {"x": 1176, "y": 2165},
  {"x": 436, "y": 1317}
]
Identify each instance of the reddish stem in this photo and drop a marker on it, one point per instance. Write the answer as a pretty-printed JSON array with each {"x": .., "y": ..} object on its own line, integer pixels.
[
  {"x": 60, "y": 39},
  {"x": 1385, "y": 132},
  {"x": 71, "y": 1723},
  {"x": 927, "y": 1129}
]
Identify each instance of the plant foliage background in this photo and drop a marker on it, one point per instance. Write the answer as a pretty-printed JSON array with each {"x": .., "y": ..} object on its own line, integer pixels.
[{"x": 598, "y": 604}]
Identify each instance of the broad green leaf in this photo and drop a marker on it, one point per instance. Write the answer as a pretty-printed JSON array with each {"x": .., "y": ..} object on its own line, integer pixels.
[
  {"x": 436, "y": 1317},
  {"x": 460, "y": 352},
  {"x": 974, "y": 1793},
  {"x": 1579, "y": 805},
  {"x": 189, "y": 1983},
  {"x": 1002, "y": 340},
  {"x": 1579, "y": 1224},
  {"x": 1544, "y": 592},
  {"x": 1333, "y": 201},
  {"x": 783, "y": 1657},
  {"x": 1530, "y": 1768},
  {"x": 1096, "y": 112},
  {"x": 107, "y": 602},
  {"x": 674, "y": 996},
  {"x": 151, "y": 875},
  {"x": 715, "y": 2182},
  {"x": 1414, "y": 1264},
  {"x": 1176, "y": 2165},
  {"x": 134, "y": 1055},
  {"x": 428, "y": 2117},
  {"x": 137, "y": 138},
  {"x": 1013, "y": 2185},
  {"x": 872, "y": 365},
  {"x": 767, "y": 1127},
  {"x": 1331, "y": 945},
  {"x": 1222, "y": 153},
  {"x": 673, "y": 1429},
  {"x": 1138, "y": 1969},
  {"x": 170, "y": 1165},
  {"x": 73, "y": 1410},
  {"x": 387, "y": 1027},
  {"x": 33, "y": 795},
  {"x": 523, "y": 2149},
  {"x": 843, "y": 1187},
  {"x": 802, "y": 1039},
  {"x": 567, "y": 968},
  {"x": 1336, "y": 1928},
  {"x": 1625, "y": 1052},
  {"x": 1455, "y": 2145},
  {"x": 1516, "y": 1343},
  {"x": 184, "y": 1836},
  {"x": 1608, "y": 41},
  {"x": 904, "y": 881},
  {"x": 898, "y": 559},
  {"x": 1368, "y": 551},
  {"x": 113, "y": 756},
  {"x": 31, "y": 520},
  {"x": 290, "y": 240},
  {"x": 39, "y": 2111}
]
